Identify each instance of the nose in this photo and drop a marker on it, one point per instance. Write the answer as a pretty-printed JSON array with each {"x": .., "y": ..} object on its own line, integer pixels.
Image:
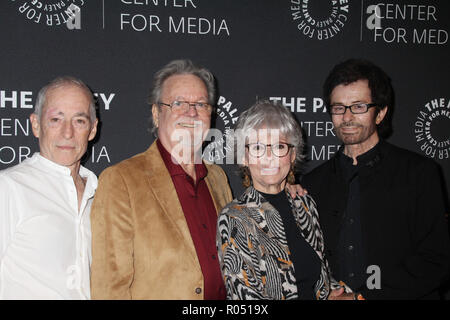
[
  {"x": 67, "y": 130},
  {"x": 269, "y": 158},
  {"x": 348, "y": 115},
  {"x": 192, "y": 111},
  {"x": 269, "y": 152}
]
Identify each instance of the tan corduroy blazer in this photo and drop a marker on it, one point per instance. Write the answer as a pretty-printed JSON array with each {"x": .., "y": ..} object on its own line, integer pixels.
[{"x": 141, "y": 244}]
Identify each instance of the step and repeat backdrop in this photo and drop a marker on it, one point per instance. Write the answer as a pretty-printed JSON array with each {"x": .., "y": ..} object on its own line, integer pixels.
[{"x": 276, "y": 49}]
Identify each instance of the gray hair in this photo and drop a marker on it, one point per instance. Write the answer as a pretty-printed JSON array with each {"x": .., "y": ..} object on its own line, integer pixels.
[
  {"x": 64, "y": 81},
  {"x": 271, "y": 115},
  {"x": 177, "y": 67}
]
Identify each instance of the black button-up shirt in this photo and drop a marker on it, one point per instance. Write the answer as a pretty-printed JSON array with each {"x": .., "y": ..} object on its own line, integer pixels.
[{"x": 351, "y": 247}]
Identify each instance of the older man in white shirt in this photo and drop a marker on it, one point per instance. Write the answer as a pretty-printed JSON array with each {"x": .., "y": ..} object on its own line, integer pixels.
[{"x": 45, "y": 236}]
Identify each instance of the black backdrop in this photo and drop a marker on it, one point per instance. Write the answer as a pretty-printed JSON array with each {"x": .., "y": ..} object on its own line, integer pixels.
[{"x": 276, "y": 49}]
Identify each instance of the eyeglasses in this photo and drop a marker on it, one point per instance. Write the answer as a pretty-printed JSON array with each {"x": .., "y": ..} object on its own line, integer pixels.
[
  {"x": 258, "y": 149},
  {"x": 356, "y": 108},
  {"x": 183, "y": 106}
]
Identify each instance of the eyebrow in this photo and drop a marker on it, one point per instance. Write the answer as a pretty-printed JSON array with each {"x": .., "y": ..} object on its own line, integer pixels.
[
  {"x": 182, "y": 98},
  {"x": 341, "y": 103},
  {"x": 78, "y": 114},
  {"x": 82, "y": 114}
]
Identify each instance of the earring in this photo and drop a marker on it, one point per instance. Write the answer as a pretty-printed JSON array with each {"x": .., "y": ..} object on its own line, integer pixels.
[
  {"x": 291, "y": 177},
  {"x": 246, "y": 181}
]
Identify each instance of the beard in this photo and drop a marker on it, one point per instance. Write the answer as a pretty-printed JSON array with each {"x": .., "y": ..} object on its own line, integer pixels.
[{"x": 351, "y": 133}]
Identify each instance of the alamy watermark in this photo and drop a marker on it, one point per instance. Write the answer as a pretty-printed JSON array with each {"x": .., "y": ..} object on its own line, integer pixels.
[
  {"x": 374, "y": 280},
  {"x": 74, "y": 17},
  {"x": 187, "y": 144}
]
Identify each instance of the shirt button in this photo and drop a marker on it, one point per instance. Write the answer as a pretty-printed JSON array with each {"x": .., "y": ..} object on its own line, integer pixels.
[
  {"x": 350, "y": 221},
  {"x": 350, "y": 248},
  {"x": 198, "y": 290},
  {"x": 351, "y": 275},
  {"x": 213, "y": 256}
]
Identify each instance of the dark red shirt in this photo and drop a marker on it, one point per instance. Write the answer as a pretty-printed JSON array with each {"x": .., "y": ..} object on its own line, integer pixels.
[{"x": 201, "y": 218}]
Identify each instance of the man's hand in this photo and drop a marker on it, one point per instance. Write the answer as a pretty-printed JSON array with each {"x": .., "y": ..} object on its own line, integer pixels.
[{"x": 296, "y": 189}]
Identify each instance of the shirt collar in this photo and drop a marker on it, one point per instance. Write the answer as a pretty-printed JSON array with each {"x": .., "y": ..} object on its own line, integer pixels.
[
  {"x": 368, "y": 158},
  {"x": 57, "y": 169},
  {"x": 91, "y": 181},
  {"x": 176, "y": 169},
  {"x": 48, "y": 164}
]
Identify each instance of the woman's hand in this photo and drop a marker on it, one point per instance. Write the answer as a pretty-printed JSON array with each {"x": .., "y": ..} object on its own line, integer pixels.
[
  {"x": 340, "y": 294},
  {"x": 296, "y": 189}
]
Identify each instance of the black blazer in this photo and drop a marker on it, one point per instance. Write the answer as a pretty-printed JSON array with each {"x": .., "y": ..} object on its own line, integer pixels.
[{"x": 402, "y": 220}]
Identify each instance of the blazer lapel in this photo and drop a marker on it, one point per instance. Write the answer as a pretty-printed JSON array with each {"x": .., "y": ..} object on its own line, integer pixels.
[
  {"x": 214, "y": 196},
  {"x": 161, "y": 185}
]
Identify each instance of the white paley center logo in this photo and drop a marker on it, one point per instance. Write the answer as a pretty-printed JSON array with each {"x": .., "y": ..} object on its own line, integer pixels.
[
  {"x": 431, "y": 128},
  {"x": 318, "y": 20},
  {"x": 52, "y": 12},
  {"x": 221, "y": 145}
]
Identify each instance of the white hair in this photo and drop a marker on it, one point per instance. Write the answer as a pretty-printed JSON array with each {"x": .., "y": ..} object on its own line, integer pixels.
[
  {"x": 59, "y": 82},
  {"x": 270, "y": 115},
  {"x": 177, "y": 67}
]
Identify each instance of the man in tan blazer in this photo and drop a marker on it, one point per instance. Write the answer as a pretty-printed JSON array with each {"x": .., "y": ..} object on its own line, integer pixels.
[{"x": 154, "y": 215}]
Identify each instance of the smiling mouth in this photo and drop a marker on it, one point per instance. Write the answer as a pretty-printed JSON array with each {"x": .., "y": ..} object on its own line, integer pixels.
[
  {"x": 349, "y": 129},
  {"x": 188, "y": 125},
  {"x": 66, "y": 147},
  {"x": 269, "y": 171}
]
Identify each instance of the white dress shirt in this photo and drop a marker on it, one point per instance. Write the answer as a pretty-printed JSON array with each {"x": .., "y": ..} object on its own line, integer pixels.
[{"x": 45, "y": 241}]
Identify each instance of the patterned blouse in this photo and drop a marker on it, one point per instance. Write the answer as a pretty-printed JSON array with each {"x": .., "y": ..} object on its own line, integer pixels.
[{"x": 253, "y": 251}]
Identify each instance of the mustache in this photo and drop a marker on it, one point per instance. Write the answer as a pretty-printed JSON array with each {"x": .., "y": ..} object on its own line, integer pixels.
[{"x": 349, "y": 124}]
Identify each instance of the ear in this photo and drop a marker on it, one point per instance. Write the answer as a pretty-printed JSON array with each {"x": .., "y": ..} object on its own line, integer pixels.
[
  {"x": 35, "y": 125},
  {"x": 93, "y": 130},
  {"x": 381, "y": 114},
  {"x": 155, "y": 114}
]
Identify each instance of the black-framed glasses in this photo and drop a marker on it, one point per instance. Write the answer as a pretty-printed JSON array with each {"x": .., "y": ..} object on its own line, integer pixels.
[
  {"x": 259, "y": 149},
  {"x": 183, "y": 106},
  {"x": 356, "y": 108}
]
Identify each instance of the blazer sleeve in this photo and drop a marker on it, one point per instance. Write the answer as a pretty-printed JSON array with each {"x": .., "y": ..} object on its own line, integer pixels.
[
  {"x": 235, "y": 261},
  {"x": 112, "y": 238},
  {"x": 427, "y": 267}
]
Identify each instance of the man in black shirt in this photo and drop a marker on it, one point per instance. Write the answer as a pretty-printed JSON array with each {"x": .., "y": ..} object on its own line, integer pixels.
[{"x": 381, "y": 207}]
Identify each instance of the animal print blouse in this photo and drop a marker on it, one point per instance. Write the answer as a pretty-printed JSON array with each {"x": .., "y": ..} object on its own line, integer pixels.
[{"x": 253, "y": 252}]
